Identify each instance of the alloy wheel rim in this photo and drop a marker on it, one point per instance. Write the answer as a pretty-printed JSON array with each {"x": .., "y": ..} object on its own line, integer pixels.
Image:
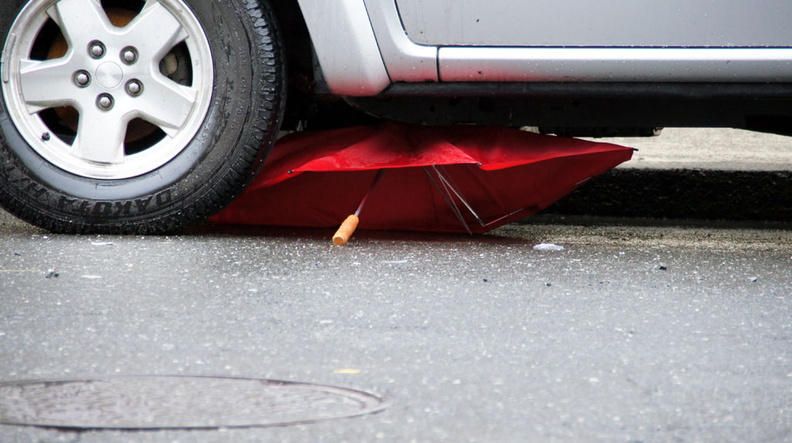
[{"x": 125, "y": 95}]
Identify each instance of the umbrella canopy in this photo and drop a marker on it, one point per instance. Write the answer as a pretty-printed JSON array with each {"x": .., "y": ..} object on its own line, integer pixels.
[{"x": 445, "y": 179}]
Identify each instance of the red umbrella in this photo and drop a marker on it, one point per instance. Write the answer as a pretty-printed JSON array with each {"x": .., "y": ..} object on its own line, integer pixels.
[{"x": 445, "y": 179}]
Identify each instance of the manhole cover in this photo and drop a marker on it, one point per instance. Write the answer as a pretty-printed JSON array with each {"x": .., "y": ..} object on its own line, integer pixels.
[{"x": 160, "y": 402}]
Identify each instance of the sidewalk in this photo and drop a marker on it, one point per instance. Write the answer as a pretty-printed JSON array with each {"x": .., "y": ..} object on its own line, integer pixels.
[{"x": 710, "y": 149}]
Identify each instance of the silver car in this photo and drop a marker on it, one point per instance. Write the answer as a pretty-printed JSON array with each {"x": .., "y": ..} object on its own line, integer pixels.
[{"x": 142, "y": 116}]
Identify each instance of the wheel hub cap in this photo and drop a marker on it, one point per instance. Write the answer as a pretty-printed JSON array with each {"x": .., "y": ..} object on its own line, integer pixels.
[{"x": 109, "y": 75}]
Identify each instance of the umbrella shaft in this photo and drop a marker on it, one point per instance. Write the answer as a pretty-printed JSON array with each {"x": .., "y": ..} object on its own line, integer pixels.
[{"x": 371, "y": 188}]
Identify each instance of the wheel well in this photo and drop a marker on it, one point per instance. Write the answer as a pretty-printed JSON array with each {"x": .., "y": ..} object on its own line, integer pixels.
[
  {"x": 308, "y": 104},
  {"x": 296, "y": 39},
  {"x": 298, "y": 54}
]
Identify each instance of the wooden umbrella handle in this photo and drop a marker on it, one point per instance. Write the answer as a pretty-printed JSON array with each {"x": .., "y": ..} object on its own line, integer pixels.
[{"x": 346, "y": 230}]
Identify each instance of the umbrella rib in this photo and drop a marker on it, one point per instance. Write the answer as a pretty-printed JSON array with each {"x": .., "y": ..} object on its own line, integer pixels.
[
  {"x": 446, "y": 197},
  {"x": 450, "y": 186},
  {"x": 470, "y": 207},
  {"x": 448, "y": 190},
  {"x": 484, "y": 225}
]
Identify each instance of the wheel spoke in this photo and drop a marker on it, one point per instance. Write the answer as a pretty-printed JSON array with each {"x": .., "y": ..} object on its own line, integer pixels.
[
  {"x": 167, "y": 104},
  {"x": 47, "y": 84},
  {"x": 80, "y": 20},
  {"x": 100, "y": 137},
  {"x": 155, "y": 31}
]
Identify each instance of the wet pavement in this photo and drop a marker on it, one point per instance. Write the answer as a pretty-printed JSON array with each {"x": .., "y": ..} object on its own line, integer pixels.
[
  {"x": 639, "y": 329},
  {"x": 633, "y": 332}
]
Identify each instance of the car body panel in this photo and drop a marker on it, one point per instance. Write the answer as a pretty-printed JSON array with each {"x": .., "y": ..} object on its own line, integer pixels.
[
  {"x": 615, "y": 64},
  {"x": 345, "y": 46},
  {"x": 363, "y": 47},
  {"x": 600, "y": 23},
  {"x": 405, "y": 60},
  {"x": 459, "y": 64}
]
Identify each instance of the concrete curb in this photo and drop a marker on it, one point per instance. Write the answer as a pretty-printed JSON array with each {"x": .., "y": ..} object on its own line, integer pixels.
[{"x": 683, "y": 193}]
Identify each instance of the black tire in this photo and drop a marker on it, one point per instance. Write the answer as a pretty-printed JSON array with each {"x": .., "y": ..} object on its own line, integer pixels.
[{"x": 239, "y": 126}]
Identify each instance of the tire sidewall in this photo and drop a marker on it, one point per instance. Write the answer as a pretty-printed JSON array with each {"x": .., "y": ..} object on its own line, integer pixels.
[{"x": 200, "y": 166}]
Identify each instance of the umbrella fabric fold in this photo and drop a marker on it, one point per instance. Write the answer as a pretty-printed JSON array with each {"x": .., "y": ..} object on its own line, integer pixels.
[{"x": 490, "y": 175}]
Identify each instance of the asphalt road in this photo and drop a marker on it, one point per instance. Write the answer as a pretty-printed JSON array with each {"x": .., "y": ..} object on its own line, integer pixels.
[
  {"x": 631, "y": 333},
  {"x": 641, "y": 329}
]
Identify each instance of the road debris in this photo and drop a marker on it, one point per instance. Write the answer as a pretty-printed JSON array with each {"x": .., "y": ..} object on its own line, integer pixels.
[
  {"x": 349, "y": 371},
  {"x": 548, "y": 247}
]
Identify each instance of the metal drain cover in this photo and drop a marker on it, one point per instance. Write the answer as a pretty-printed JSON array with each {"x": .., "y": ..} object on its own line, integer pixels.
[{"x": 168, "y": 402}]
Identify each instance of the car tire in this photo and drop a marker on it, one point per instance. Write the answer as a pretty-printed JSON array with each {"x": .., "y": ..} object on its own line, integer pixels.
[{"x": 132, "y": 117}]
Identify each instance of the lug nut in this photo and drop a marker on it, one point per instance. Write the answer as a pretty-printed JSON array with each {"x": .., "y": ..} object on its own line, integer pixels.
[
  {"x": 105, "y": 102},
  {"x": 129, "y": 55},
  {"x": 96, "y": 49},
  {"x": 134, "y": 88},
  {"x": 82, "y": 78}
]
